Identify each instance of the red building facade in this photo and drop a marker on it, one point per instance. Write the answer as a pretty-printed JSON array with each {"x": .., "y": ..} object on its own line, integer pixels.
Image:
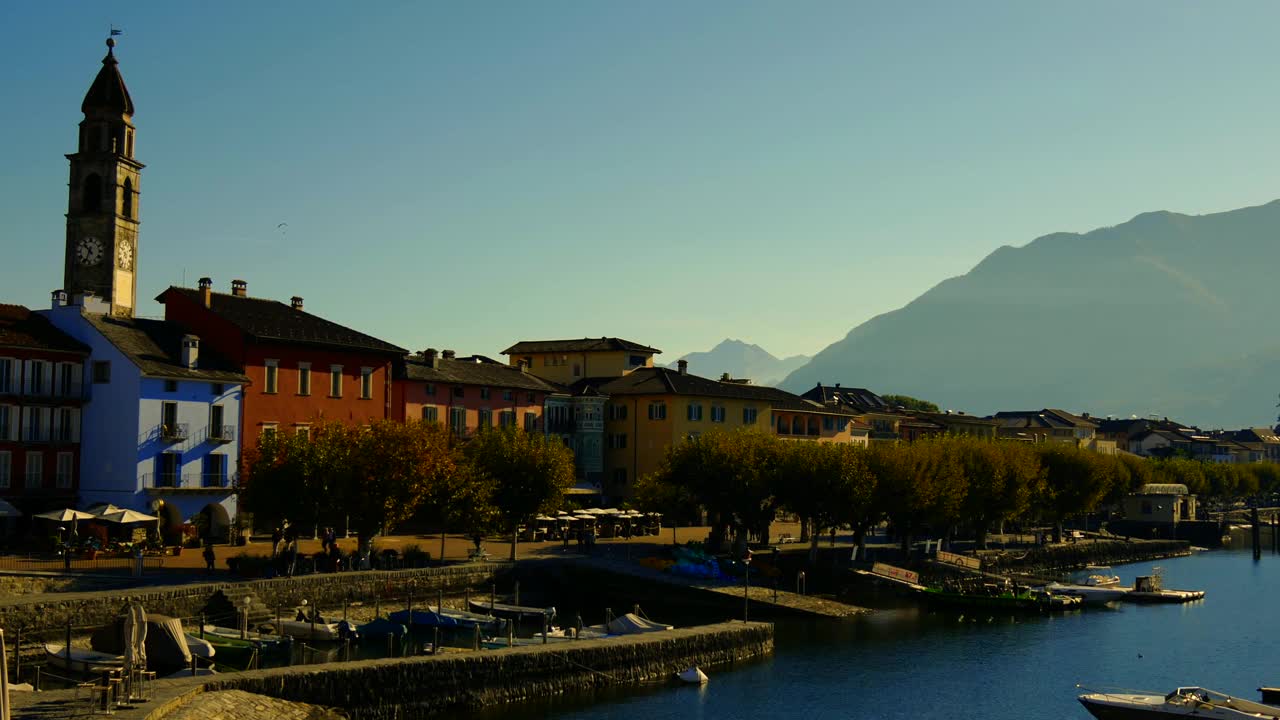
[
  {"x": 41, "y": 393},
  {"x": 302, "y": 368}
]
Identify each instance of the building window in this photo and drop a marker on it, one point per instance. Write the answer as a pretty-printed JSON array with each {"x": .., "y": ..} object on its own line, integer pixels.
[
  {"x": 842, "y": 425},
  {"x": 619, "y": 476},
  {"x": 485, "y": 418},
  {"x": 215, "y": 470},
  {"x": 783, "y": 426},
  {"x": 216, "y": 389},
  {"x": 430, "y": 413},
  {"x": 749, "y": 416},
  {"x": 458, "y": 420},
  {"x": 366, "y": 383},
  {"x": 507, "y": 418},
  {"x": 616, "y": 441},
  {"x": 717, "y": 414},
  {"x": 335, "y": 381},
  {"x": 635, "y": 360},
  {"x": 273, "y": 376},
  {"x": 302, "y": 430},
  {"x": 530, "y": 421},
  {"x": 68, "y": 379},
  {"x": 458, "y": 391},
  {"x": 216, "y": 417},
  {"x": 577, "y": 370},
  {"x": 65, "y": 469},
  {"x": 828, "y": 424},
  {"x": 35, "y": 469},
  {"x": 171, "y": 386},
  {"x": 8, "y": 414},
  {"x": 168, "y": 465},
  {"x": 813, "y": 426},
  {"x": 6, "y": 376},
  {"x": 508, "y": 396},
  {"x": 6, "y": 468},
  {"x": 431, "y": 389},
  {"x": 617, "y": 411},
  {"x": 658, "y": 410},
  {"x": 304, "y": 378},
  {"x": 268, "y": 431},
  {"x": 66, "y": 423},
  {"x": 37, "y": 378},
  {"x": 102, "y": 371},
  {"x": 484, "y": 393},
  {"x": 694, "y": 411}
]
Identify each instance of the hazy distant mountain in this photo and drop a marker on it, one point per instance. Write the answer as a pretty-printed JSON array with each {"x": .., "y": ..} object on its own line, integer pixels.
[
  {"x": 1166, "y": 314},
  {"x": 742, "y": 360}
]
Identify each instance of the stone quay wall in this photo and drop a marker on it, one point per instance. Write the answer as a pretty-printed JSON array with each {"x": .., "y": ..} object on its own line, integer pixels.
[
  {"x": 393, "y": 689},
  {"x": 52, "y": 611}
]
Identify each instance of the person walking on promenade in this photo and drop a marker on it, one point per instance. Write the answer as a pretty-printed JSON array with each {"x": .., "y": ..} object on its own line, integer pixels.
[
  {"x": 276, "y": 536},
  {"x": 209, "y": 556}
]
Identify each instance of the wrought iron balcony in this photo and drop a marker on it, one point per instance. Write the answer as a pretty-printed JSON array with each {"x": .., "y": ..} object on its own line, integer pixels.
[
  {"x": 188, "y": 481},
  {"x": 222, "y": 433},
  {"x": 173, "y": 432}
]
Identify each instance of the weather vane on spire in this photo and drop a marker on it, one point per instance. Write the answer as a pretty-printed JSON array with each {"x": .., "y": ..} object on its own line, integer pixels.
[{"x": 114, "y": 31}]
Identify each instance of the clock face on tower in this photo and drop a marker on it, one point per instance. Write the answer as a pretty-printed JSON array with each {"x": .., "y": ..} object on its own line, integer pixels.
[
  {"x": 89, "y": 251},
  {"x": 124, "y": 256}
]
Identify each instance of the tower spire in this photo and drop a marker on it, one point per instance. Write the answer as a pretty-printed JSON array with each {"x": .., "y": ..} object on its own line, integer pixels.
[{"x": 108, "y": 92}]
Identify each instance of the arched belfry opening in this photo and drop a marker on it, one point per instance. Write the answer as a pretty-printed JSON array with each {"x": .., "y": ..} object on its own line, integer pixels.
[{"x": 91, "y": 193}]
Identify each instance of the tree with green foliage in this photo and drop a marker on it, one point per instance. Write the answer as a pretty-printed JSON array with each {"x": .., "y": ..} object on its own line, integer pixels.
[
  {"x": 825, "y": 484},
  {"x": 1002, "y": 478},
  {"x": 1076, "y": 481},
  {"x": 909, "y": 403},
  {"x": 523, "y": 473}
]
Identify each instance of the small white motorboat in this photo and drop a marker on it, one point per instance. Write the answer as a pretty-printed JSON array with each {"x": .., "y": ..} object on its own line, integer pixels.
[
  {"x": 303, "y": 630},
  {"x": 1185, "y": 702},
  {"x": 1088, "y": 594},
  {"x": 200, "y": 647},
  {"x": 693, "y": 676},
  {"x": 1099, "y": 580},
  {"x": 88, "y": 662}
]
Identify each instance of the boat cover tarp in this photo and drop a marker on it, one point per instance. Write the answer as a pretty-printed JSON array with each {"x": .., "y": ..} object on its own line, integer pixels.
[
  {"x": 166, "y": 644},
  {"x": 632, "y": 624}
]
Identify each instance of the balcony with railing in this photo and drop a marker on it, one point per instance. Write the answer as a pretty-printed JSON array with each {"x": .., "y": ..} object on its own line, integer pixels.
[
  {"x": 173, "y": 432},
  {"x": 221, "y": 433},
  {"x": 196, "y": 482}
]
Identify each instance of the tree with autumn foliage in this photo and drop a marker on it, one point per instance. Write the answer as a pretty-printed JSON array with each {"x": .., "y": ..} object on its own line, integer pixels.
[
  {"x": 522, "y": 474},
  {"x": 827, "y": 485}
]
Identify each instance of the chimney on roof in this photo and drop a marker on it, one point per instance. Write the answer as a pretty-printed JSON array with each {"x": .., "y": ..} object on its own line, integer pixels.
[
  {"x": 206, "y": 291},
  {"x": 432, "y": 357},
  {"x": 837, "y": 386},
  {"x": 682, "y": 366},
  {"x": 448, "y": 354},
  {"x": 1085, "y": 416},
  {"x": 59, "y": 298},
  {"x": 190, "y": 351},
  {"x": 239, "y": 288},
  {"x": 725, "y": 377},
  {"x": 295, "y": 302}
]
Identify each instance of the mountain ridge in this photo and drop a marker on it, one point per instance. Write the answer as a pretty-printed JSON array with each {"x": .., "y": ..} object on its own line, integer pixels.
[
  {"x": 741, "y": 360},
  {"x": 1114, "y": 320}
]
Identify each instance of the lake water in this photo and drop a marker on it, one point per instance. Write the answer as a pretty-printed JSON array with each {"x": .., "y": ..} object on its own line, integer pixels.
[{"x": 911, "y": 664}]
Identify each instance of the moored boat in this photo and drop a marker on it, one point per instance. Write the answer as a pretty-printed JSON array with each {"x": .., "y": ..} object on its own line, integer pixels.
[
  {"x": 88, "y": 662},
  {"x": 1150, "y": 589},
  {"x": 446, "y": 618},
  {"x": 511, "y": 612},
  {"x": 304, "y": 630},
  {"x": 1088, "y": 594},
  {"x": 1184, "y": 702}
]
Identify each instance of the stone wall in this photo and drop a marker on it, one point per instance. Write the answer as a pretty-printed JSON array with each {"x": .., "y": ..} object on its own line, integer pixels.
[
  {"x": 398, "y": 688},
  {"x": 52, "y": 611}
]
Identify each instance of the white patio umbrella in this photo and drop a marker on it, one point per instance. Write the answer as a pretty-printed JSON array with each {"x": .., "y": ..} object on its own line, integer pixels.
[
  {"x": 66, "y": 515},
  {"x": 101, "y": 509},
  {"x": 9, "y": 511},
  {"x": 127, "y": 516}
]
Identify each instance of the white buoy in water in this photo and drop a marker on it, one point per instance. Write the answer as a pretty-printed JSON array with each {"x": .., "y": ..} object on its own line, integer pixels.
[{"x": 693, "y": 676}]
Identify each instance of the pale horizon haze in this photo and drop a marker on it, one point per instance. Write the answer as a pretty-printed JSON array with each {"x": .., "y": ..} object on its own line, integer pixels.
[{"x": 466, "y": 175}]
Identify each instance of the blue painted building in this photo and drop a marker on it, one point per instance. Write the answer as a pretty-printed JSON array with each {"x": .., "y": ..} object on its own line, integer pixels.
[{"x": 161, "y": 421}]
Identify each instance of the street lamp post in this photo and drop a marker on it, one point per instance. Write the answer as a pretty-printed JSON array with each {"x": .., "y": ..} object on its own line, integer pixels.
[{"x": 746, "y": 584}]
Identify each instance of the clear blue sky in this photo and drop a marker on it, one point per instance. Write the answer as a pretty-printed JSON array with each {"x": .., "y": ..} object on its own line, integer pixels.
[{"x": 469, "y": 174}]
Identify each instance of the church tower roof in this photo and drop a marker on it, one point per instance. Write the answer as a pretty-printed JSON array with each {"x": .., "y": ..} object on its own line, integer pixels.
[{"x": 108, "y": 91}]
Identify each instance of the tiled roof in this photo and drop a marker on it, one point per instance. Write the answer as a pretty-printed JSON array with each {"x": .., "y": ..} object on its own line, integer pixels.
[
  {"x": 945, "y": 418},
  {"x": 272, "y": 320},
  {"x": 601, "y": 344},
  {"x": 662, "y": 381},
  {"x": 108, "y": 91},
  {"x": 1046, "y": 418},
  {"x": 465, "y": 372},
  {"x": 21, "y": 328},
  {"x": 856, "y": 398},
  {"x": 155, "y": 346}
]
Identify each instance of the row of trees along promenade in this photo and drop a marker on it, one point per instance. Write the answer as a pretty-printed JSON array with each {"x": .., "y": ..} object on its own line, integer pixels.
[
  {"x": 374, "y": 477},
  {"x": 953, "y": 485}
]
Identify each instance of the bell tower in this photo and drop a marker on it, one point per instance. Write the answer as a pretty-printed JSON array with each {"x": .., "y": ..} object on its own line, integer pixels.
[{"x": 102, "y": 204}]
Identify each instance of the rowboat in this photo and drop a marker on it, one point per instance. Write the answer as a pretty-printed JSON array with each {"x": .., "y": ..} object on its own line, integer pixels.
[
  {"x": 446, "y": 618},
  {"x": 512, "y": 612},
  {"x": 1185, "y": 702}
]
